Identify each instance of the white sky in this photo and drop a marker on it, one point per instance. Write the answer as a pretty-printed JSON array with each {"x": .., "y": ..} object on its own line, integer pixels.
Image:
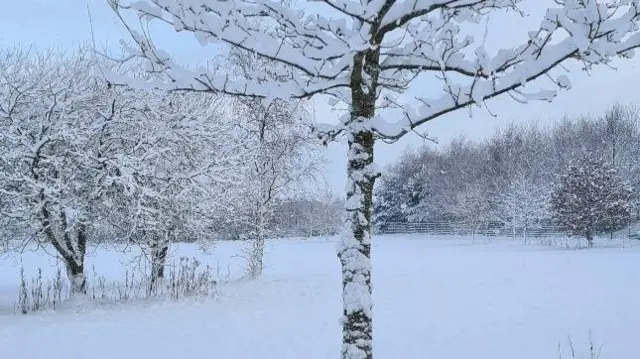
[{"x": 64, "y": 23}]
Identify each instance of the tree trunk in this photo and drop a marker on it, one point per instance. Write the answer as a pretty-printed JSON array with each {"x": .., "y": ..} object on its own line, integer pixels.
[
  {"x": 590, "y": 238},
  {"x": 77, "y": 280},
  {"x": 159, "y": 250},
  {"x": 354, "y": 251},
  {"x": 72, "y": 256},
  {"x": 258, "y": 256},
  {"x": 256, "y": 249},
  {"x": 75, "y": 267},
  {"x": 160, "y": 261}
]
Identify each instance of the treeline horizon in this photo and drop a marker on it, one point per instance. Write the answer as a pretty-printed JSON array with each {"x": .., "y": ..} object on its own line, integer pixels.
[{"x": 506, "y": 179}]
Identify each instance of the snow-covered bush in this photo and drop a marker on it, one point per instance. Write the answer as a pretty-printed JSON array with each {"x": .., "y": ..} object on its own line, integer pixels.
[{"x": 307, "y": 216}]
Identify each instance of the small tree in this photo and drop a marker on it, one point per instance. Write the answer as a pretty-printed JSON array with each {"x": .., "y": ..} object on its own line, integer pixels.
[
  {"x": 473, "y": 207},
  {"x": 402, "y": 192},
  {"x": 52, "y": 167},
  {"x": 591, "y": 198},
  {"x": 524, "y": 204},
  {"x": 182, "y": 161},
  {"x": 281, "y": 153}
]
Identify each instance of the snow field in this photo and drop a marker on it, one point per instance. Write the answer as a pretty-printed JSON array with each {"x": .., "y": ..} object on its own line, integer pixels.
[{"x": 433, "y": 298}]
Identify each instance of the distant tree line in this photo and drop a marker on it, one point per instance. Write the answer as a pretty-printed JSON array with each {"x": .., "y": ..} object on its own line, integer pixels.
[
  {"x": 297, "y": 216},
  {"x": 509, "y": 179}
]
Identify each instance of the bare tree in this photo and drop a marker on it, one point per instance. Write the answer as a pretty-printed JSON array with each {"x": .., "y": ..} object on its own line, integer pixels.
[
  {"x": 281, "y": 153},
  {"x": 365, "y": 54}
]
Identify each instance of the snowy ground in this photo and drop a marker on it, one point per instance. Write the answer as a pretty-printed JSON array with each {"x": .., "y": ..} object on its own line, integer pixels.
[{"x": 434, "y": 298}]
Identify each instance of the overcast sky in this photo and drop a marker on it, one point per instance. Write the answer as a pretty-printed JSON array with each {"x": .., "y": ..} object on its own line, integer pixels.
[{"x": 65, "y": 23}]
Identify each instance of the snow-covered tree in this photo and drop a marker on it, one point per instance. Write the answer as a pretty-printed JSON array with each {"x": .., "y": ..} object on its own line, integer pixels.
[
  {"x": 524, "y": 203},
  {"x": 52, "y": 170},
  {"x": 365, "y": 53},
  {"x": 184, "y": 152},
  {"x": 516, "y": 167},
  {"x": 621, "y": 139},
  {"x": 82, "y": 159},
  {"x": 591, "y": 198},
  {"x": 401, "y": 192},
  {"x": 281, "y": 153},
  {"x": 474, "y": 208}
]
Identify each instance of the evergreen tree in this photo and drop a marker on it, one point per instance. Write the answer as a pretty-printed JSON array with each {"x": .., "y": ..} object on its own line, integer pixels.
[
  {"x": 591, "y": 198},
  {"x": 402, "y": 191}
]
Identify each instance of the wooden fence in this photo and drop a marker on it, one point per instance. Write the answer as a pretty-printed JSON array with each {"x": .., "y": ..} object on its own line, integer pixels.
[{"x": 468, "y": 229}]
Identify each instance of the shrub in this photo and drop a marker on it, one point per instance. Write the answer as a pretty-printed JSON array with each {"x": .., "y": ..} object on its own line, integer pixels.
[{"x": 187, "y": 279}]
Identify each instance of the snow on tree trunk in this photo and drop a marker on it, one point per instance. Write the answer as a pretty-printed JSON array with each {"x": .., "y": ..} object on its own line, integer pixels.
[
  {"x": 257, "y": 259},
  {"x": 256, "y": 250},
  {"x": 77, "y": 280},
  {"x": 72, "y": 254},
  {"x": 589, "y": 236},
  {"x": 159, "y": 259},
  {"x": 354, "y": 250},
  {"x": 75, "y": 268},
  {"x": 159, "y": 249}
]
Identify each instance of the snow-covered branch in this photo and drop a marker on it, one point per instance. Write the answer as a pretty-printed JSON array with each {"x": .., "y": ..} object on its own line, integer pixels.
[{"x": 317, "y": 53}]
